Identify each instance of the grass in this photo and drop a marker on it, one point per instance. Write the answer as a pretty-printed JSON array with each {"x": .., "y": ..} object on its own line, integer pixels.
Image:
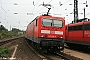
[{"x": 4, "y": 51}]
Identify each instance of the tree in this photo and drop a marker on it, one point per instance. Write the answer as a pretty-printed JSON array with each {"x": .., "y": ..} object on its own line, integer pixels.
[{"x": 2, "y": 28}]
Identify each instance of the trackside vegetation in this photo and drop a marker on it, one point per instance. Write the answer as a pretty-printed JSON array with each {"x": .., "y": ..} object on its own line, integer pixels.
[
  {"x": 4, "y": 51},
  {"x": 4, "y": 33}
]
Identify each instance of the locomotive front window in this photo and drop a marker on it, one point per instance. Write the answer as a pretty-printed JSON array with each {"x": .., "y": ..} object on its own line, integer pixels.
[
  {"x": 52, "y": 22},
  {"x": 57, "y": 23},
  {"x": 46, "y": 22}
]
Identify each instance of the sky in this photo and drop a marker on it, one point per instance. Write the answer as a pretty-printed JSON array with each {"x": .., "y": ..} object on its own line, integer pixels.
[{"x": 27, "y": 10}]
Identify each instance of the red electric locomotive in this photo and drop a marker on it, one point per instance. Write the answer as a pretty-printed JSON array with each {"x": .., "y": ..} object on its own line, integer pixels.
[
  {"x": 78, "y": 34},
  {"x": 47, "y": 33}
]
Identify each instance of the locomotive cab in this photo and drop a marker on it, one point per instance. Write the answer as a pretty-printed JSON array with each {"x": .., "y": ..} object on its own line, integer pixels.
[{"x": 51, "y": 32}]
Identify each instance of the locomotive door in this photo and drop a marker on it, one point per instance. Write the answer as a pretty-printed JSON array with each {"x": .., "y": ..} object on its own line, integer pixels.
[
  {"x": 87, "y": 31},
  {"x": 66, "y": 32},
  {"x": 33, "y": 30}
]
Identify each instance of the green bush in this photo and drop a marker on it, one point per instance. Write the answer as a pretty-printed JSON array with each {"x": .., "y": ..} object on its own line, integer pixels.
[
  {"x": 1, "y": 35},
  {"x": 4, "y": 51}
]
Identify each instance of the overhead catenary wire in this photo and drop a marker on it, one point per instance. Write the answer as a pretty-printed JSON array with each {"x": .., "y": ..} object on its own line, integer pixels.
[
  {"x": 42, "y": 7},
  {"x": 2, "y": 7}
]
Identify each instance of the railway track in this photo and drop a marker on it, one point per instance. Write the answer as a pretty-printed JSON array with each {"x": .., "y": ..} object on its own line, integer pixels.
[
  {"x": 54, "y": 56},
  {"x": 77, "y": 53},
  {"x": 4, "y": 41},
  {"x": 86, "y": 51},
  {"x": 60, "y": 56},
  {"x": 67, "y": 56}
]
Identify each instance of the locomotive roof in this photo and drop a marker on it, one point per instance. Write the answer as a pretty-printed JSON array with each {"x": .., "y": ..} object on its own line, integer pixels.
[
  {"x": 79, "y": 23},
  {"x": 52, "y": 16}
]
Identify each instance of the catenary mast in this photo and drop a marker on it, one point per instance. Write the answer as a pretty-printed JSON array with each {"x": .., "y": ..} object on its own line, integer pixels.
[{"x": 75, "y": 11}]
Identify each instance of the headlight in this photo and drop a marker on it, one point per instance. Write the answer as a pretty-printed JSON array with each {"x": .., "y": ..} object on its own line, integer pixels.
[
  {"x": 61, "y": 37},
  {"x": 42, "y": 35}
]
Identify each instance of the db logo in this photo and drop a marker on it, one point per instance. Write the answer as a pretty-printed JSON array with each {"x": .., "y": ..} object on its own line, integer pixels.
[{"x": 52, "y": 32}]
